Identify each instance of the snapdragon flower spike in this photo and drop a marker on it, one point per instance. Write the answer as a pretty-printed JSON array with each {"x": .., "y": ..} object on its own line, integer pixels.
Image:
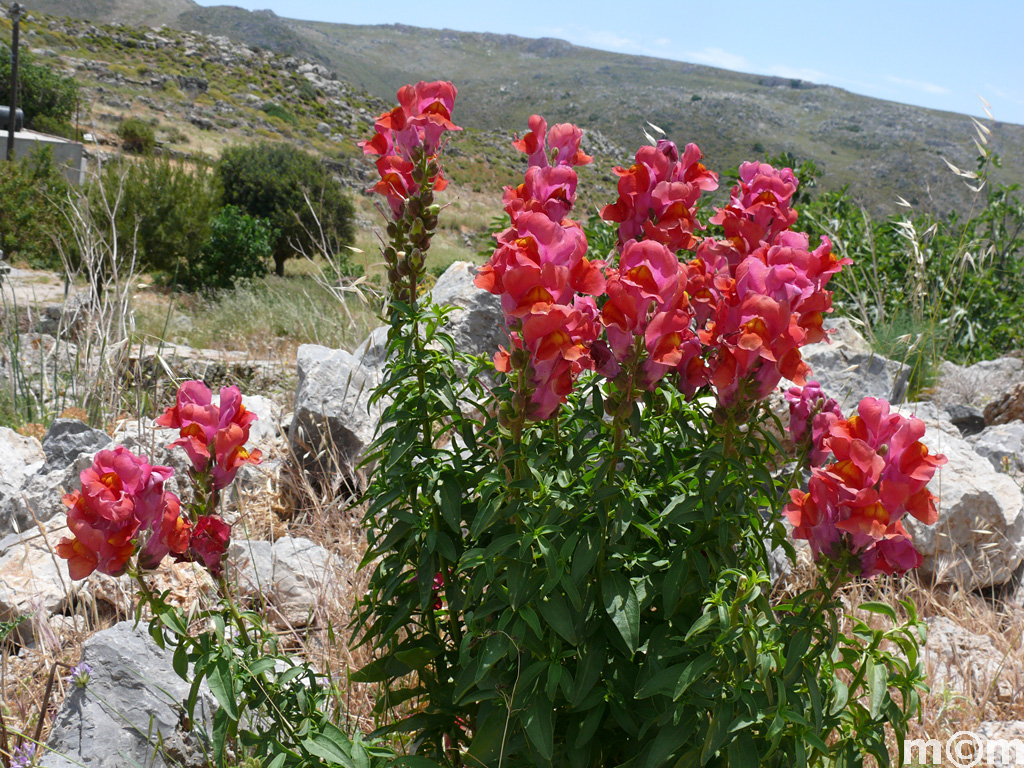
[
  {"x": 879, "y": 474},
  {"x": 122, "y": 503},
  {"x": 208, "y": 431},
  {"x": 411, "y": 131},
  {"x": 758, "y": 295},
  {"x": 811, "y": 414},
  {"x": 559, "y": 146},
  {"x": 542, "y": 274},
  {"x": 657, "y": 195},
  {"x": 646, "y": 299},
  {"x": 759, "y": 206}
]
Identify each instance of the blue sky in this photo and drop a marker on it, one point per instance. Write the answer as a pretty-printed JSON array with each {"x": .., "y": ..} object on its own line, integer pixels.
[{"x": 937, "y": 54}]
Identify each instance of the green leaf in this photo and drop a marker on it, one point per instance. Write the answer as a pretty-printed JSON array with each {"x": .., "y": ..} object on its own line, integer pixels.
[
  {"x": 278, "y": 761},
  {"x": 416, "y": 658},
  {"x": 451, "y": 503},
  {"x": 878, "y": 685},
  {"x": 219, "y": 678},
  {"x": 180, "y": 662},
  {"x": 621, "y": 605},
  {"x": 841, "y": 696},
  {"x": 717, "y": 732},
  {"x": 700, "y": 625},
  {"x": 537, "y": 722},
  {"x": 555, "y": 611},
  {"x": 742, "y": 751},
  {"x": 693, "y": 672},
  {"x": 413, "y": 761},
  {"x": 881, "y": 608}
]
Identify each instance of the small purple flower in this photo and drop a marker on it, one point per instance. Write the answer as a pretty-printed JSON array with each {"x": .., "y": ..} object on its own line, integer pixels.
[
  {"x": 79, "y": 676},
  {"x": 24, "y": 756}
]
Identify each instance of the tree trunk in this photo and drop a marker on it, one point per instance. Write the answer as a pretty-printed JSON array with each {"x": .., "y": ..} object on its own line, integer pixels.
[{"x": 279, "y": 264}]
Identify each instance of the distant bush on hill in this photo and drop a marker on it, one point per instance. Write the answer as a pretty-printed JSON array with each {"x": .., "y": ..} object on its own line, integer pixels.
[
  {"x": 240, "y": 247},
  {"x": 32, "y": 222},
  {"x": 164, "y": 209},
  {"x": 137, "y": 136}
]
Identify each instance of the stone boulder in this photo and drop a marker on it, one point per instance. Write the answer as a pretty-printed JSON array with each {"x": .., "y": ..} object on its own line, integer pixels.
[
  {"x": 334, "y": 421},
  {"x": 978, "y": 540},
  {"x": 296, "y": 578},
  {"x": 849, "y": 370},
  {"x": 1003, "y": 445},
  {"x": 979, "y": 383},
  {"x": 20, "y": 458},
  {"x": 67, "y": 439},
  {"x": 32, "y": 577},
  {"x": 129, "y": 712},
  {"x": 477, "y": 325},
  {"x": 1007, "y": 407},
  {"x": 969, "y": 663}
]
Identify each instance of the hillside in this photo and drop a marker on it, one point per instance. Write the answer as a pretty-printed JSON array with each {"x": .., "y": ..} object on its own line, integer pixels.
[{"x": 880, "y": 149}]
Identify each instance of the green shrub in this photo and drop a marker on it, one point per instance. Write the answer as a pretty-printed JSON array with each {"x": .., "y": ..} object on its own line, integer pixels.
[
  {"x": 42, "y": 92},
  {"x": 239, "y": 248},
  {"x": 33, "y": 192},
  {"x": 953, "y": 285},
  {"x": 164, "y": 208},
  {"x": 294, "y": 191},
  {"x": 137, "y": 136},
  {"x": 276, "y": 110}
]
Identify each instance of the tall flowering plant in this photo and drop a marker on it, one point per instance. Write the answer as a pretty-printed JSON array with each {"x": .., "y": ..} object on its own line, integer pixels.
[
  {"x": 571, "y": 568},
  {"x": 123, "y": 520}
]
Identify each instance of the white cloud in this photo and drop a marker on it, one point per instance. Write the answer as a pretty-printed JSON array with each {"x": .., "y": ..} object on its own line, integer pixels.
[
  {"x": 919, "y": 85},
  {"x": 662, "y": 42},
  {"x": 717, "y": 57}
]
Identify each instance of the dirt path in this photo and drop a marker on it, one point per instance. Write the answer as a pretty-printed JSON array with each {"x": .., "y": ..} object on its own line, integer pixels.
[{"x": 24, "y": 287}]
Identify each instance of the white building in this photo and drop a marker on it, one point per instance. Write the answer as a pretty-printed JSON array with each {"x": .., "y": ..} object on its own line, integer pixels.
[{"x": 68, "y": 155}]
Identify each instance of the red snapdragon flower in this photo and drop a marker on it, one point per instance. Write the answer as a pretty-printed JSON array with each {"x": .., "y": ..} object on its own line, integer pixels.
[
  {"x": 212, "y": 431},
  {"x": 209, "y": 544},
  {"x": 414, "y": 128},
  {"x": 657, "y": 194},
  {"x": 121, "y": 501},
  {"x": 879, "y": 473}
]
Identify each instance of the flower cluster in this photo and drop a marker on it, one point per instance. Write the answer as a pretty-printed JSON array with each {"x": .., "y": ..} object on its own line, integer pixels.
[
  {"x": 24, "y": 756},
  {"x": 410, "y": 132},
  {"x": 80, "y": 674},
  {"x": 647, "y": 314},
  {"x": 408, "y": 140},
  {"x": 540, "y": 269},
  {"x": 879, "y": 473},
  {"x": 122, "y": 508},
  {"x": 657, "y": 195},
  {"x": 212, "y": 432},
  {"x": 759, "y": 293}
]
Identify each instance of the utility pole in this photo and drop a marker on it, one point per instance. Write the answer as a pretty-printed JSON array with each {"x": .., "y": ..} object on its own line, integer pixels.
[{"x": 16, "y": 12}]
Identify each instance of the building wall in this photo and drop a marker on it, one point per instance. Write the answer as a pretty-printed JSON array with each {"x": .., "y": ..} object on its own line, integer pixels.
[{"x": 69, "y": 155}]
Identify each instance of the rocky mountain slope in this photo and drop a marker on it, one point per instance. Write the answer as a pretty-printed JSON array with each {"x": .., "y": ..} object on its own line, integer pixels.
[{"x": 880, "y": 149}]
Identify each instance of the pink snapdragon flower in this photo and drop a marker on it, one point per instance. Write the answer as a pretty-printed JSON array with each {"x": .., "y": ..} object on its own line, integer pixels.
[
  {"x": 122, "y": 502},
  {"x": 414, "y": 128},
  {"x": 879, "y": 473},
  {"x": 811, "y": 414},
  {"x": 212, "y": 431}
]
